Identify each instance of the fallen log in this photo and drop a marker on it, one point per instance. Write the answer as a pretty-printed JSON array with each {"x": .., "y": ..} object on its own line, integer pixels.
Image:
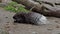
[
  {"x": 29, "y": 4},
  {"x": 40, "y": 8}
]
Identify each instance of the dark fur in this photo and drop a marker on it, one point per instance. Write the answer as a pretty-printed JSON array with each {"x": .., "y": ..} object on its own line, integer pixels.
[
  {"x": 27, "y": 18},
  {"x": 19, "y": 17}
]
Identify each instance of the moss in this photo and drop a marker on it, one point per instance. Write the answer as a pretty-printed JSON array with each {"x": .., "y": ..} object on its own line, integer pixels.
[{"x": 15, "y": 7}]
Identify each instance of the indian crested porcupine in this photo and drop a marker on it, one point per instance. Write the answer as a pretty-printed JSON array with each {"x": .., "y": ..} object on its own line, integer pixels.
[{"x": 30, "y": 18}]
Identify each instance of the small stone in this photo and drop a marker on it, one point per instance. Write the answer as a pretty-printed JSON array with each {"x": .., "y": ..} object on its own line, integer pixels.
[
  {"x": 49, "y": 29},
  {"x": 34, "y": 33},
  {"x": 56, "y": 21},
  {"x": 57, "y": 26},
  {"x": 6, "y": 17},
  {"x": 14, "y": 23},
  {"x": 7, "y": 26},
  {"x": 7, "y": 22}
]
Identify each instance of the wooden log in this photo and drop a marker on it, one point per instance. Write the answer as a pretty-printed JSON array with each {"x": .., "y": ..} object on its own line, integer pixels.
[{"x": 40, "y": 8}]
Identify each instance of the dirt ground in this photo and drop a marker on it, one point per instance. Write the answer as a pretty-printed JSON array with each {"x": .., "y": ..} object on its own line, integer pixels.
[{"x": 6, "y": 23}]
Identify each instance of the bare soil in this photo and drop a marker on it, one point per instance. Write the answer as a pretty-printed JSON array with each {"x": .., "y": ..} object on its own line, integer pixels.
[{"x": 6, "y": 23}]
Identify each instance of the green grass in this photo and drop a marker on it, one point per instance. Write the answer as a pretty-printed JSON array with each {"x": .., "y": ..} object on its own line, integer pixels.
[{"x": 15, "y": 7}]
